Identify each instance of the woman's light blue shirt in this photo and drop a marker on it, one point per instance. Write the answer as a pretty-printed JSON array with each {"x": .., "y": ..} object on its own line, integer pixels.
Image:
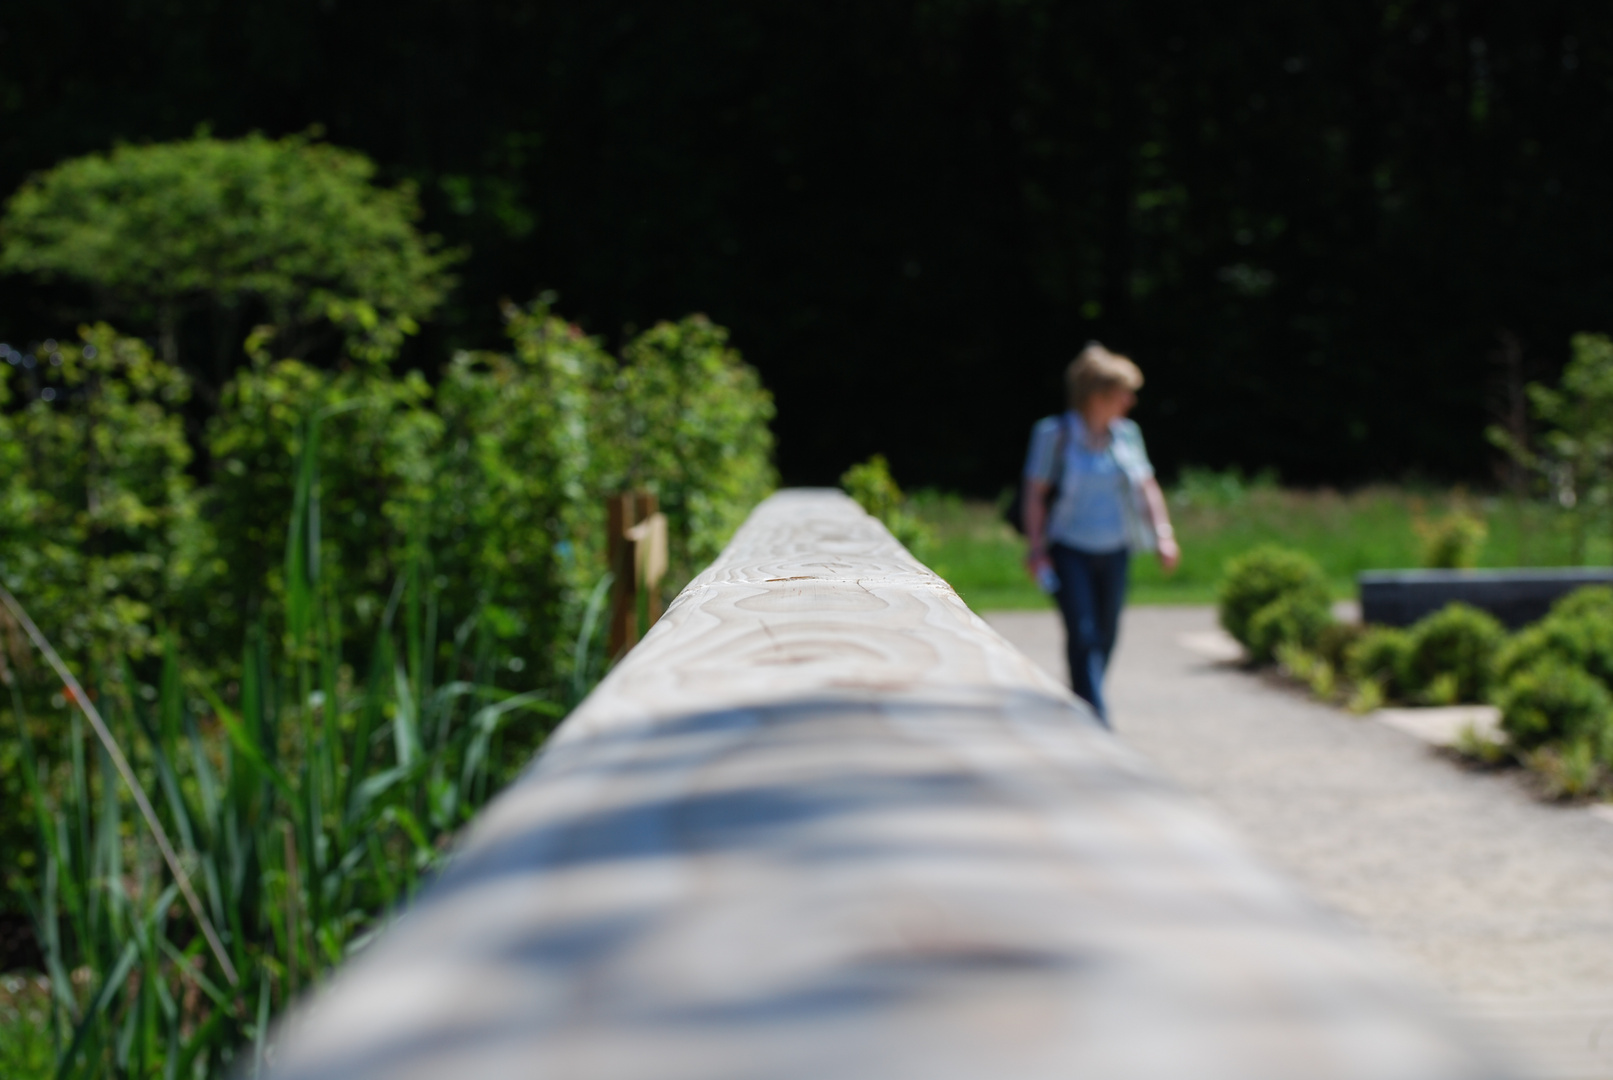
[{"x": 1097, "y": 509}]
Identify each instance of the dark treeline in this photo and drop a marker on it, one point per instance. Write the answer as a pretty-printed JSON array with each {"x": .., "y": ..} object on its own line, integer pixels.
[{"x": 1333, "y": 232}]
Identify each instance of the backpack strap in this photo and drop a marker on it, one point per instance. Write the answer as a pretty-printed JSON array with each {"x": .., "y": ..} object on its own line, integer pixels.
[{"x": 1061, "y": 443}]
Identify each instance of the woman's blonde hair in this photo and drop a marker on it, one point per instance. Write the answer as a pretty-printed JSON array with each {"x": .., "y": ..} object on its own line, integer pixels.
[{"x": 1096, "y": 370}]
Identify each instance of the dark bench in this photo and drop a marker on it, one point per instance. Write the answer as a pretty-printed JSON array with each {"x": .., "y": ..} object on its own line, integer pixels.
[{"x": 1516, "y": 597}]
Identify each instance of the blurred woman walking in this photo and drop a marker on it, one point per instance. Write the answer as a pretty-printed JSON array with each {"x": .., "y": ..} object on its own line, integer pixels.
[{"x": 1090, "y": 500}]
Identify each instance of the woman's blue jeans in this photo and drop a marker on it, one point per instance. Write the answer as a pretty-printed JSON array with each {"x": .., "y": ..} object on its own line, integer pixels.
[{"x": 1092, "y": 589}]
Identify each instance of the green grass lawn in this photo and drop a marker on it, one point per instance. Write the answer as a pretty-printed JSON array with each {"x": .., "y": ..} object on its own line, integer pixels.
[{"x": 1220, "y": 516}]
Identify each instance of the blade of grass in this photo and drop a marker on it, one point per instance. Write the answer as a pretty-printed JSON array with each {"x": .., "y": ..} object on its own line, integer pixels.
[
  {"x": 103, "y": 998},
  {"x": 121, "y": 762},
  {"x": 585, "y": 637}
]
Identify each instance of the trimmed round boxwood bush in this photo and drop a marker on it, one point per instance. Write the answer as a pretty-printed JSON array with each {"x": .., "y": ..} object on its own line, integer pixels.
[
  {"x": 1553, "y": 702},
  {"x": 1264, "y": 575},
  {"x": 1595, "y": 601},
  {"x": 1379, "y": 655},
  {"x": 1296, "y": 618},
  {"x": 1456, "y": 647},
  {"x": 1578, "y": 637}
]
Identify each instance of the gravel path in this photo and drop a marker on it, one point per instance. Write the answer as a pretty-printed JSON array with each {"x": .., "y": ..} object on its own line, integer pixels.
[{"x": 1505, "y": 902}]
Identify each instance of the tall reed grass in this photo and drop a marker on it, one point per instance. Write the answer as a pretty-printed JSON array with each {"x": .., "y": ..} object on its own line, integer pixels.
[{"x": 304, "y": 802}]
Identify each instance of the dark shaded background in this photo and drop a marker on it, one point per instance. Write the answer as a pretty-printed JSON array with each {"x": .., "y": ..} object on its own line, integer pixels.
[{"x": 1313, "y": 222}]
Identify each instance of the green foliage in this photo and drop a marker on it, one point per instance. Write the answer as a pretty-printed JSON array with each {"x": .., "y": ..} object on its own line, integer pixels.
[
  {"x": 692, "y": 427},
  {"x": 1293, "y": 618},
  {"x": 1556, "y": 693},
  {"x": 1592, "y": 601},
  {"x": 25, "y": 1043},
  {"x": 1576, "y": 459},
  {"x": 1554, "y": 702},
  {"x": 1298, "y": 662},
  {"x": 1200, "y": 487},
  {"x": 1270, "y": 575},
  {"x": 307, "y": 802},
  {"x": 1453, "y": 542},
  {"x": 1380, "y": 656},
  {"x": 98, "y": 522},
  {"x": 1573, "y": 771},
  {"x": 1450, "y": 655},
  {"x": 1569, "y": 635},
  {"x": 517, "y": 521},
  {"x": 1480, "y": 747},
  {"x": 876, "y": 491},
  {"x": 1336, "y": 640},
  {"x": 293, "y": 225},
  {"x": 314, "y": 782},
  {"x": 376, "y": 450},
  {"x": 873, "y": 487}
]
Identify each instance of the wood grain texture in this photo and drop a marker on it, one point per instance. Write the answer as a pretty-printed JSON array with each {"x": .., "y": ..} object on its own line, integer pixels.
[{"x": 825, "y": 822}]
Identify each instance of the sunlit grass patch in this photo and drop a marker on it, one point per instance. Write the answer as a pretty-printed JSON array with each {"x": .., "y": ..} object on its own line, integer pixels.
[{"x": 1221, "y": 515}]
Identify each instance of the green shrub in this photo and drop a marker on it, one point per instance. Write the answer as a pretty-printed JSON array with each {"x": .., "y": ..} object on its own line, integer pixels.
[
  {"x": 1453, "y": 542},
  {"x": 1262, "y": 576},
  {"x": 1578, "y": 639},
  {"x": 1296, "y": 618},
  {"x": 1554, "y": 702},
  {"x": 294, "y": 225},
  {"x": 1379, "y": 656},
  {"x": 691, "y": 424},
  {"x": 1450, "y": 655},
  {"x": 375, "y": 441},
  {"x": 517, "y": 522},
  {"x": 1595, "y": 601},
  {"x": 875, "y": 490},
  {"x": 98, "y": 517}
]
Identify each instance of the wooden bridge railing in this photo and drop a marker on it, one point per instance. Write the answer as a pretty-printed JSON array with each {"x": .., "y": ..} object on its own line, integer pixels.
[{"x": 824, "y": 822}]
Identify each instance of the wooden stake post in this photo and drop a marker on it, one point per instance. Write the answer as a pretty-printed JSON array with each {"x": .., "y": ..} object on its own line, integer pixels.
[{"x": 638, "y": 558}]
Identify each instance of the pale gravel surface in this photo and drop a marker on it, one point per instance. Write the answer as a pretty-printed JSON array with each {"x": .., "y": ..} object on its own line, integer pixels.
[{"x": 1504, "y": 902}]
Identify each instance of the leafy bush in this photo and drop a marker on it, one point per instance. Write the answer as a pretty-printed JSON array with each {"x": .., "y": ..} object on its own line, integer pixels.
[
  {"x": 1379, "y": 656},
  {"x": 98, "y": 517},
  {"x": 691, "y": 426},
  {"x": 1262, "y": 577},
  {"x": 293, "y": 226},
  {"x": 1450, "y": 655},
  {"x": 1453, "y": 542},
  {"x": 1574, "y": 636},
  {"x": 1551, "y": 702},
  {"x": 444, "y": 531},
  {"x": 1574, "y": 459},
  {"x": 875, "y": 490},
  {"x": 374, "y": 441},
  {"x": 1594, "y": 601},
  {"x": 517, "y": 518},
  {"x": 1294, "y": 618},
  {"x": 473, "y": 515},
  {"x": 305, "y": 803}
]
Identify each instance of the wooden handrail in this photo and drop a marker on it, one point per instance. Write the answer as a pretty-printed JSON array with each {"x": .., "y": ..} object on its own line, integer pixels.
[{"x": 825, "y": 822}]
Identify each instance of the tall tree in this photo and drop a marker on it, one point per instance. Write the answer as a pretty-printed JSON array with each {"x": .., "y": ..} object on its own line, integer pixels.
[{"x": 290, "y": 230}]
